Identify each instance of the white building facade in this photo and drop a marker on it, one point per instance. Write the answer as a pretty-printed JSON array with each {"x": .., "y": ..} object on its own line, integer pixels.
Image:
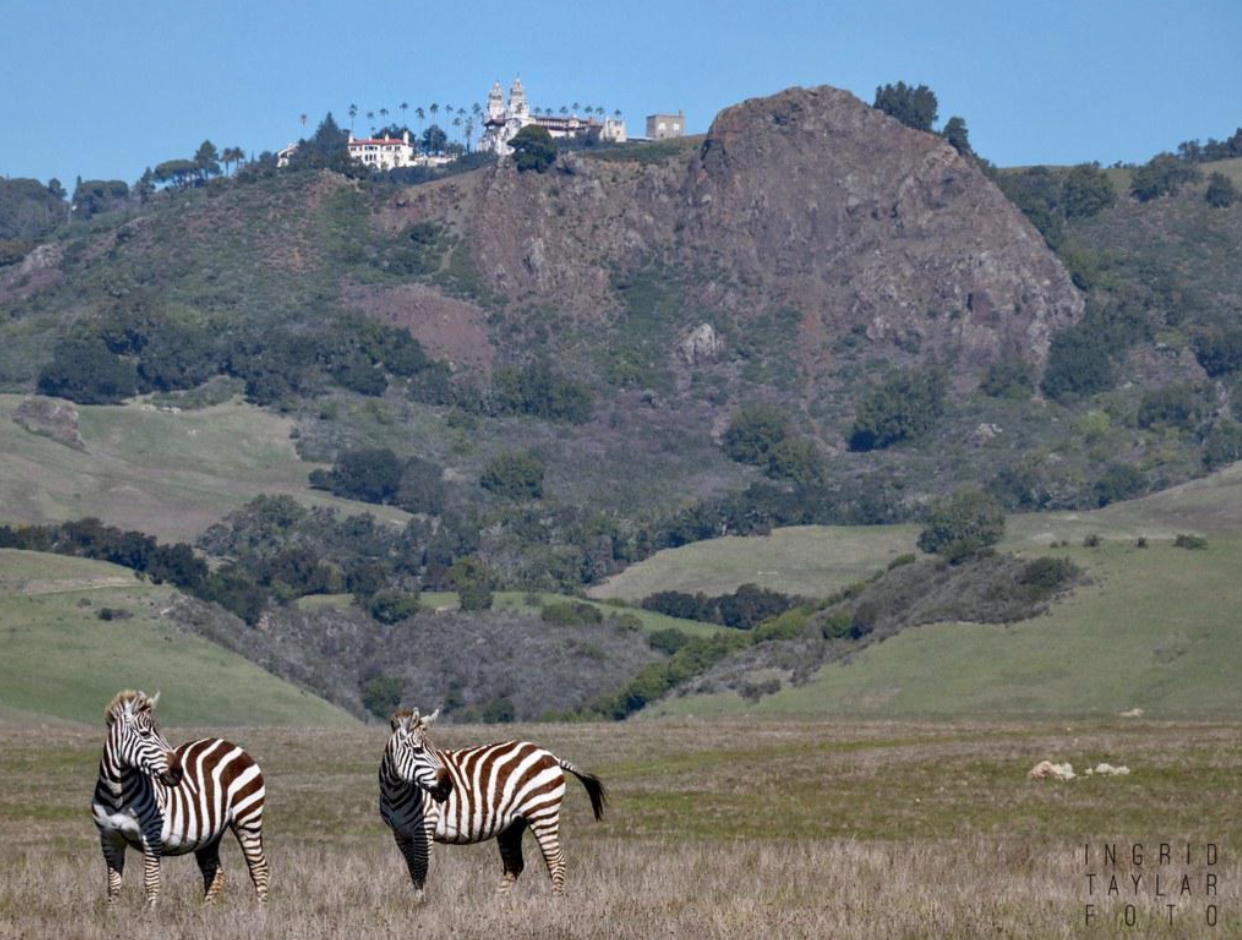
[{"x": 504, "y": 120}]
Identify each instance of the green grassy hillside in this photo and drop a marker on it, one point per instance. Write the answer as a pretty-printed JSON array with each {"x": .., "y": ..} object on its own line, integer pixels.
[
  {"x": 171, "y": 475},
  {"x": 60, "y": 659},
  {"x": 1156, "y": 628}
]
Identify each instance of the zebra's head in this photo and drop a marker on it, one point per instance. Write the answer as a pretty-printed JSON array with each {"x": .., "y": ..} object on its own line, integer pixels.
[
  {"x": 415, "y": 758},
  {"x": 134, "y": 740}
]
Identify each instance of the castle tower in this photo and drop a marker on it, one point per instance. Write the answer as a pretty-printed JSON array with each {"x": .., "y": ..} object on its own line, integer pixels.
[
  {"x": 517, "y": 99},
  {"x": 496, "y": 103}
]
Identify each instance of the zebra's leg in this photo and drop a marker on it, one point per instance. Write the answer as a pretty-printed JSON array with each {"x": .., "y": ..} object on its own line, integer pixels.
[
  {"x": 510, "y": 842},
  {"x": 547, "y": 834},
  {"x": 250, "y": 838},
  {"x": 213, "y": 874},
  {"x": 114, "y": 857},
  {"x": 416, "y": 848},
  {"x": 151, "y": 871}
]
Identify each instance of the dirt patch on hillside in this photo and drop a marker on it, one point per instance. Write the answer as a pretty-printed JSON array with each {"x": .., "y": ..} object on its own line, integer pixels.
[{"x": 450, "y": 329}]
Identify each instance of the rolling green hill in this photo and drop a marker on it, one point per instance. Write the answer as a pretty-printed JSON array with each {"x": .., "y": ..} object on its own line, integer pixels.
[
  {"x": 169, "y": 474},
  {"x": 58, "y": 658}
]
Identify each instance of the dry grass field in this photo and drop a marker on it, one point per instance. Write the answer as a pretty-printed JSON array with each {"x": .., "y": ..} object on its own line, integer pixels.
[{"x": 734, "y": 828}]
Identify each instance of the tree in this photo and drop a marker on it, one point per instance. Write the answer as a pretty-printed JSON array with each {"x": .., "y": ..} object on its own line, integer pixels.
[
  {"x": 797, "y": 460},
  {"x": 381, "y": 694},
  {"x": 1012, "y": 378},
  {"x": 533, "y": 149},
  {"x": 472, "y": 580},
  {"x": 913, "y": 107},
  {"x": 86, "y": 372},
  {"x": 1087, "y": 191},
  {"x": 963, "y": 525},
  {"x": 753, "y": 432},
  {"x": 1163, "y": 175},
  {"x": 904, "y": 408},
  {"x": 514, "y": 476},
  {"x": 353, "y": 113},
  {"x": 372, "y": 475},
  {"x": 434, "y": 139},
  {"x": 1221, "y": 193},
  {"x": 956, "y": 134},
  {"x": 207, "y": 160},
  {"x": 1079, "y": 364}
]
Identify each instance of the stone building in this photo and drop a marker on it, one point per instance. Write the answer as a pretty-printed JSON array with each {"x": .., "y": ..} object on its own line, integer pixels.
[
  {"x": 504, "y": 120},
  {"x": 663, "y": 126}
]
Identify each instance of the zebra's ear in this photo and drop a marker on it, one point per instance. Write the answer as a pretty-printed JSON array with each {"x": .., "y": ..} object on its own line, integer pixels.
[
  {"x": 153, "y": 701},
  {"x": 430, "y": 718}
]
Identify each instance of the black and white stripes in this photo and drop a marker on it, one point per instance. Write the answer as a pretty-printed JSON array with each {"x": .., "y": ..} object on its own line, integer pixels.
[
  {"x": 474, "y": 794},
  {"x": 170, "y": 802}
]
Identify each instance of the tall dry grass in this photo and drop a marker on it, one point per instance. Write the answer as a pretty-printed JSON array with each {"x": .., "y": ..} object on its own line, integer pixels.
[{"x": 899, "y": 831}]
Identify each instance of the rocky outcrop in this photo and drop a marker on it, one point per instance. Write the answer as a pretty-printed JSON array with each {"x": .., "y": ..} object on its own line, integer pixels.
[{"x": 50, "y": 417}]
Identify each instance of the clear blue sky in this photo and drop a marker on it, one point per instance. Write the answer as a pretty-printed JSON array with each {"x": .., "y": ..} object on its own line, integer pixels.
[{"x": 106, "y": 89}]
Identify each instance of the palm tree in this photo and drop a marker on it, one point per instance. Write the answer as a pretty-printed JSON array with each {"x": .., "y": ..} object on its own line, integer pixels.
[
  {"x": 469, "y": 132},
  {"x": 422, "y": 116},
  {"x": 384, "y": 115},
  {"x": 353, "y": 113},
  {"x": 434, "y": 109},
  {"x": 404, "y": 107},
  {"x": 457, "y": 121},
  {"x": 371, "y": 119},
  {"x": 576, "y": 106},
  {"x": 617, "y": 114},
  {"x": 564, "y": 109},
  {"x": 476, "y": 109}
]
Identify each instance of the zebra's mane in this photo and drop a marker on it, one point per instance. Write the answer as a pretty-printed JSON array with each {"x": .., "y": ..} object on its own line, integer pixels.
[{"x": 127, "y": 697}]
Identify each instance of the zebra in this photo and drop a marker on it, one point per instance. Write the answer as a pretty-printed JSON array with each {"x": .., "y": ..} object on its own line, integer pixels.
[
  {"x": 167, "y": 801},
  {"x": 496, "y": 791}
]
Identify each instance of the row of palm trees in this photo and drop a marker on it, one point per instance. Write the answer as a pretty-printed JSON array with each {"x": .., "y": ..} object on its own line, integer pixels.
[{"x": 466, "y": 121}]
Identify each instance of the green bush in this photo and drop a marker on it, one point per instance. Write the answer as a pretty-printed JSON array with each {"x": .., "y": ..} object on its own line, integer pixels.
[
  {"x": 1219, "y": 351},
  {"x": 797, "y": 460},
  {"x": 1163, "y": 175},
  {"x": 1079, "y": 365},
  {"x": 391, "y": 607},
  {"x": 533, "y": 149},
  {"x": 1220, "y": 193},
  {"x": 909, "y": 558},
  {"x": 472, "y": 580},
  {"x": 514, "y": 476},
  {"x": 1194, "y": 543},
  {"x": 540, "y": 392},
  {"x": 837, "y": 625},
  {"x": 1223, "y": 445},
  {"x": 570, "y": 614},
  {"x": 668, "y": 640},
  {"x": 1045, "y": 576},
  {"x": 753, "y": 432},
  {"x": 904, "y": 408},
  {"x": 1120, "y": 481},
  {"x": 372, "y": 475},
  {"x": 381, "y": 694},
  {"x": 86, "y": 372},
  {"x": 964, "y": 524},
  {"x": 1175, "y": 406},
  {"x": 1012, "y": 378}
]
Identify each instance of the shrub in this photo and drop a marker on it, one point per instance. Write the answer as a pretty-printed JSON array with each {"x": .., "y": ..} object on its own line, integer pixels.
[
  {"x": 1223, "y": 445},
  {"x": 381, "y": 694},
  {"x": 570, "y": 614},
  {"x": 1221, "y": 193},
  {"x": 1120, "y": 481},
  {"x": 1140, "y": 542},
  {"x": 751, "y": 605},
  {"x": 114, "y": 613},
  {"x": 1079, "y": 364},
  {"x": 1219, "y": 351},
  {"x": 1048, "y": 575},
  {"x": 913, "y": 107},
  {"x": 391, "y": 607},
  {"x": 837, "y": 625},
  {"x": 901, "y": 561},
  {"x": 359, "y": 375},
  {"x": 796, "y": 460},
  {"x": 1012, "y": 378},
  {"x": 668, "y": 640},
  {"x": 1087, "y": 191},
  {"x": 1194, "y": 543},
  {"x": 904, "y": 408},
  {"x": 1174, "y": 406},
  {"x": 422, "y": 487},
  {"x": 964, "y": 524},
  {"x": 1163, "y": 175},
  {"x": 1092, "y": 540},
  {"x": 678, "y": 604},
  {"x": 500, "y": 710},
  {"x": 372, "y": 475},
  {"x": 753, "y": 432},
  {"x": 514, "y": 476},
  {"x": 537, "y": 390}
]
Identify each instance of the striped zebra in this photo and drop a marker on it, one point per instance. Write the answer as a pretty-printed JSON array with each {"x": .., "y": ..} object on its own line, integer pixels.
[
  {"x": 496, "y": 791},
  {"x": 167, "y": 801}
]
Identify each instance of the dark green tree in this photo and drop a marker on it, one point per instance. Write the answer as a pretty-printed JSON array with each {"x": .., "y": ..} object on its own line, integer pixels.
[
  {"x": 533, "y": 149},
  {"x": 472, "y": 580},
  {"x": 913, "y": 107},
  {"x": 1087, "y": 191},
  {"x": 957, "y": 135},
  {"x": 207, "y": 160},
  {"x": 963, "y": 525},
  {"x": 87, "y": 372},
  {"x": 1221, "y": 193},
  {"x": 1163, "y": 175},
  {"x": 753, "y": 432},
  {"x": 904, "y": 408},
  {"x": 514, "y": 476},
  {"x": 434, "y": 139}
]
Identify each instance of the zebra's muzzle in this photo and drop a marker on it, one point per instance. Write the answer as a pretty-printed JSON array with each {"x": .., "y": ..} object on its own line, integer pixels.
[
  {"x": 172, "y": 776},
  {"x": 444, "y": 786}
]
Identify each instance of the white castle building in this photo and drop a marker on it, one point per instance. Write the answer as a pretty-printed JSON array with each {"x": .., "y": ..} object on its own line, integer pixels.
[
  {"x": 503, "y": 121},
  {"x": 390, "y": 153}
]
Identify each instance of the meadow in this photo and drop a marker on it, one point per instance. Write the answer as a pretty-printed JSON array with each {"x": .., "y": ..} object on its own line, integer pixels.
[
  {"x": 171, "y": 475},
  {"x": 727, "y": 828}
]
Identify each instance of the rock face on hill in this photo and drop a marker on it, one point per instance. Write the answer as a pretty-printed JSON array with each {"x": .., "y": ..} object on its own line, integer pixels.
[{"x": 807, "y": 201}]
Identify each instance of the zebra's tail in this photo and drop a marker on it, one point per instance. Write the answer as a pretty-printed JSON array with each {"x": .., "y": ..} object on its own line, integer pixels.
[{"x": 594, "y": 787}]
